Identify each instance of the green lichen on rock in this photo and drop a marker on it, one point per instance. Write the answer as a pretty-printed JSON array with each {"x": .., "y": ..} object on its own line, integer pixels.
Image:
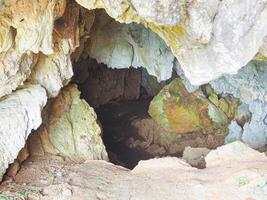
[
  {"x": 177, "y": 110},
  {"x": 221, "y": 109}
]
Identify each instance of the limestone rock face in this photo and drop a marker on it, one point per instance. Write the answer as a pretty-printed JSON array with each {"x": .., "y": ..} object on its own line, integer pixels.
[
  {"x": 233, "y": 172},
  {"x": 25, "y": 29},
  {"x": 123, "y": 46},
  {"x": 209, "y": 38},
  {"x": 20, "y": 113},
  {"x": 263, "y": 50},
  {"x": 177, "y": 110},
  {"x": 70, "y": 129},
  {"x": 53, "y": 71},
  {"x": 250, "y": 85}
]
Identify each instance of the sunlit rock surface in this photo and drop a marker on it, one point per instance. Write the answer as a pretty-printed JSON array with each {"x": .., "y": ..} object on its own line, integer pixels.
[
  {"x": 20, "y": 113},
  {"x": 209, "y": 38},
  {"x": 70, "y": 129},
  {"x": 25, "y": 29},
  {"x": 53, "y": 71},
  {"x": 233, "y": 172}
]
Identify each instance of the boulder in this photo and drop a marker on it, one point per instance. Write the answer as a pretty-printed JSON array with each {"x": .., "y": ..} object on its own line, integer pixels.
[
  {"x": 176, "y": 110},
  {"x": 195, "y": 156},
  {"x": 70, "y": 129}
]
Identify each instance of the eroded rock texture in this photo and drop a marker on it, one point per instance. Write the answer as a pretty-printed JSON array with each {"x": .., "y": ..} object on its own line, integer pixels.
[
  {"x": 209, "y": 38},
  {"x": 26, "y": 29},
  {"x": 70, "y": 129},
  {"x": 20, "y": 113},
  {"x": 53, "y": 71},
  {"x": 233, "y": 172},
  {"x": 176, "y": 110},
  {"x": 250, "y": 86},
  {"x": 32, "y": 50},
  {"x": 123, "y": 46}
]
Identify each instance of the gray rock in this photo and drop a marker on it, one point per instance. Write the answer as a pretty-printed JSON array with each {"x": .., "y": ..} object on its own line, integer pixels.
[
  {"x": 250, "y": 86},
  {"x": 235, "y": 132}
]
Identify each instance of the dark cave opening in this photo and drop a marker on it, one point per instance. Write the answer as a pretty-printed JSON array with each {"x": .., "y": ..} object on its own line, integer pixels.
[
  {"x": 121, "y": 102},
  {"x": 119, "y": 134},
  {"x": 121, "y": 99},
  {"x": 121, "y": 96}
]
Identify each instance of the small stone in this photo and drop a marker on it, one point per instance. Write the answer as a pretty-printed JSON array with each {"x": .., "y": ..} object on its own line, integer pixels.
[{"x": 195, "y": 156}]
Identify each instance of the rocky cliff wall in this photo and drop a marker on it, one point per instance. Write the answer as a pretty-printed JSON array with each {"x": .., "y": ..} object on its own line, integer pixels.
[{"x": 202, "y": 40}]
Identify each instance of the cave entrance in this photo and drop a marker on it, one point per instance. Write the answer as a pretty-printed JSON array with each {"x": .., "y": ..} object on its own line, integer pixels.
[
  {"x": 121, "y": 99},
  {"x": 136, "y": 61},
  {"x": 121, "y": 90}
]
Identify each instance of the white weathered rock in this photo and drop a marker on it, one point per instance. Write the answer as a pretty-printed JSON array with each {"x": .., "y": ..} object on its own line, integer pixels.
[
  {"x": 234, "y": 152},
  {"x": 209, "y": 38},
  {"x": 238, "y": 30},
  {"x": 263, "y": 49},
  {"x": 54, "y": 71},
  {"x": 20, "y": 113},
  {"x": 213, "y": 37},
  {"x": 123, "y": 46},
  {"x": 160, "y": 12},
  {"x": 255, "y": 131},
  {"x": 25, "y": 28},
  {"x": 186, "y": 82},
  {"x": 15, "y": 68},
  {"x": 235, "y": 132}
]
